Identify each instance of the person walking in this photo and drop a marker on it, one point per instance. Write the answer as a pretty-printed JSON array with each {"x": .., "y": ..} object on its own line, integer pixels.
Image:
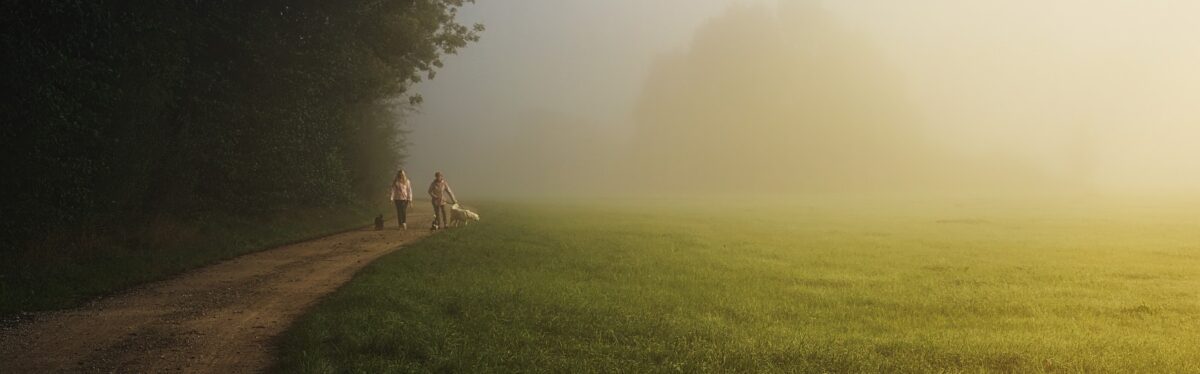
[
  {"x": 401, "y": 196},
  {"x": 439, "y": 190}
]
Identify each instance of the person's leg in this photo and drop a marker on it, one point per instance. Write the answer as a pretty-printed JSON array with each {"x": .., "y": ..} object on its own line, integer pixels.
[
  {"x": 442, "y": 216},
  {"x": 436, "y": 216},
  {"x": 402, "y": 213}
]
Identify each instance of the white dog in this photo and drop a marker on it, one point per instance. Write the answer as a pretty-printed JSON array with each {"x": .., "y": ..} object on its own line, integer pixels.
[{"x": 460, "y": 216}]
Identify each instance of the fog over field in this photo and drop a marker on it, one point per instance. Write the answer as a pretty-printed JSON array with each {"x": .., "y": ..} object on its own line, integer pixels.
[{"x": 732, "y": 97}]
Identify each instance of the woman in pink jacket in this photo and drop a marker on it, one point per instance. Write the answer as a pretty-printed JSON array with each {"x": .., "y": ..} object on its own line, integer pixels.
[{"x": 401, "y": 196}]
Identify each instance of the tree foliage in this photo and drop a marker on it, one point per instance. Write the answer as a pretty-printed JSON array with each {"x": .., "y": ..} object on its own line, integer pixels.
[
  {"x": 124, "y": 110},
  {"x": 780, "y": 100}
]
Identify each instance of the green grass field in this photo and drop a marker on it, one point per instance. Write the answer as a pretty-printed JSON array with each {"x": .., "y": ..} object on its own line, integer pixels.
[{"x": 818, "y": 286}]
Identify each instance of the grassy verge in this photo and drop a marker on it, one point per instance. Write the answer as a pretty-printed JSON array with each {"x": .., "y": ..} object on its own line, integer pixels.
[
  {"x": 67, "y": 271},
  {"x": 796, "y": 288}
]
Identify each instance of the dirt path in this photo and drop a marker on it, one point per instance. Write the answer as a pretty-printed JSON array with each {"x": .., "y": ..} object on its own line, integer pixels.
[{"x": 217, "y": 319}]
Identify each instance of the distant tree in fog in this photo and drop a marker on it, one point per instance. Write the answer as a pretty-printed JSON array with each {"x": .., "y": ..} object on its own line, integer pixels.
[{"x": 784, "y": 101}]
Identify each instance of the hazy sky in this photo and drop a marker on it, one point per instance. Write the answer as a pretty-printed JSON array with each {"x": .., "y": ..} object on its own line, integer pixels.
[
  {"x": 1101, "y": 90},
  {"x": 581, "y": 59},
  {"x": 1043, "y": 79}
]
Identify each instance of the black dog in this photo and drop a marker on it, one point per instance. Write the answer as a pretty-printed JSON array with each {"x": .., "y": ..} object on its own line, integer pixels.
[{"x": 379, "y": 222}]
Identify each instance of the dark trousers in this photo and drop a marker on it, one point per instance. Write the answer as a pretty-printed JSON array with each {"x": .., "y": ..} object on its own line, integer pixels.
[
  {"x": 439, "y": 215},
  {"x": 401, "y": 211}
]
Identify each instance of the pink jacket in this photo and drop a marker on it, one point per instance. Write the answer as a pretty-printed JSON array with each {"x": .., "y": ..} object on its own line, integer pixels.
[{"x": 402, "y": 192}]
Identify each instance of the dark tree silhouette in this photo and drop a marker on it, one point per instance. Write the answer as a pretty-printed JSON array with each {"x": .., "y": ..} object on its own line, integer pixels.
[
  {"x": 123, "y": 109},
  {"x": 123, "y": 116}
]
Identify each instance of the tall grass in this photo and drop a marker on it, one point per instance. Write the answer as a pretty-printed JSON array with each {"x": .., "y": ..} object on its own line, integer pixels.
[{"x": 798, "y": 287}]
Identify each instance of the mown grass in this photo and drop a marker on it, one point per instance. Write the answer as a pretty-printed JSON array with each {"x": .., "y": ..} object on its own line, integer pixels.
[
  {"x": 73, "y": 267},
  {"x": 798, "y": 287}
]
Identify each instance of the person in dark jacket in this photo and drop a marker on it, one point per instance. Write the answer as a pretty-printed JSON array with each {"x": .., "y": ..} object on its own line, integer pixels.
[{"x": 439, "y": 191}]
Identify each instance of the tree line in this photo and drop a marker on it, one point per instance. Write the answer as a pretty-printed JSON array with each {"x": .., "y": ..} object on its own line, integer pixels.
[{"x": 122, "y": 111}]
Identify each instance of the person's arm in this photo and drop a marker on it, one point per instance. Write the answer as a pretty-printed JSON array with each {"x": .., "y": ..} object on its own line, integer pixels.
[
  {"x": 392, "y": 192},
  {"x": 432, "y": 188},
  {"x": 408, "y": 188},
  {"x": 453, "y": 200}
]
